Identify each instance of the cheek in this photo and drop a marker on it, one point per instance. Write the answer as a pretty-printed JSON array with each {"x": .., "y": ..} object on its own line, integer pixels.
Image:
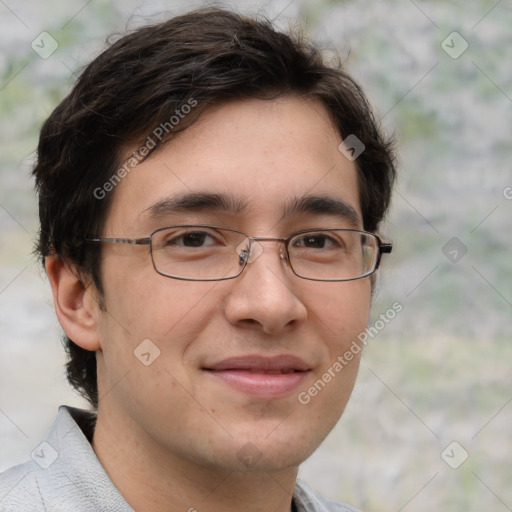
[
  {"x": 342, "y": 312},
  {"x": 340, "y": 316},
  {"x": 149, "y": 303},
  {"x": 146, "y": 331},
  {"x": 169, "y": 312}
]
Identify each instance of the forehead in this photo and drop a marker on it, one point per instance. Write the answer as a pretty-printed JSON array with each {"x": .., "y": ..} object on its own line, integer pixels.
[{"x": 263, "y": 156}]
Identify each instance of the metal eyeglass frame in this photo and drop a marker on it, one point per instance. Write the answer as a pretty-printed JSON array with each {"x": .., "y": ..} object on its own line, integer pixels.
[{"x": 383, "y": 248}]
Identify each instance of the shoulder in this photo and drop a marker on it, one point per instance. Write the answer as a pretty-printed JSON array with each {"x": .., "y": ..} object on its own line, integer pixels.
[
  {"x": 308, "y": 500},
  {"x": 19, "y": 489},
  {"x": 63, "y": 474}
]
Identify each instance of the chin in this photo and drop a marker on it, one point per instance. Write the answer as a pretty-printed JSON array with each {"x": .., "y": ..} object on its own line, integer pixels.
[
  {"x": 251, "y": 459},
  {"x": 279, "y": 449}
]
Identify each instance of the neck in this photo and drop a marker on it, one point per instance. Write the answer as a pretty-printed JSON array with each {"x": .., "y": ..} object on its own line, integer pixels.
[{"x": 151, "y": 478}]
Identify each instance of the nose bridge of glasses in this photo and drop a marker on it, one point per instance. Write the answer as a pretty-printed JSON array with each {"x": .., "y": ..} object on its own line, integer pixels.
[{"x": 251, "y": 249}]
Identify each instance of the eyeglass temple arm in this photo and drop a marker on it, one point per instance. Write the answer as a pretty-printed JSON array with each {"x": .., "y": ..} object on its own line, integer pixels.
[
  {"x": 127, "y": 241},
  {"x": 385, "y": 248}
]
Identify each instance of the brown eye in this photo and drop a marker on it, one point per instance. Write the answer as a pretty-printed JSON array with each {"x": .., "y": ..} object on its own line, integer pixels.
[{"x": 316, "y": 241}]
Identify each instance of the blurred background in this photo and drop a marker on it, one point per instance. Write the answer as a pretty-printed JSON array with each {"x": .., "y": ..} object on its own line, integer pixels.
[{"x": 429, "y": 423}]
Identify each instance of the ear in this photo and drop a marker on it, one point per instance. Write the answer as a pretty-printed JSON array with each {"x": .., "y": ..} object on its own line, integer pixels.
[{"x": 75, "y": 303}]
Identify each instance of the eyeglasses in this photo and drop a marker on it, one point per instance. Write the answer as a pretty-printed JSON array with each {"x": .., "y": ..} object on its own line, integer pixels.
[{"x": 212, "y": 253}]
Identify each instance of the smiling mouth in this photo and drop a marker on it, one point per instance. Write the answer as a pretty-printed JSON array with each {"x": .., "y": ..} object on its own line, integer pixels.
[
  {"x": 261, "y": 377},
  {"x": 258, "y": 371}
]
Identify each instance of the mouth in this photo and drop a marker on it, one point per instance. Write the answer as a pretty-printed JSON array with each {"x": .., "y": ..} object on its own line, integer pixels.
[{"x": 263, "y": 377}]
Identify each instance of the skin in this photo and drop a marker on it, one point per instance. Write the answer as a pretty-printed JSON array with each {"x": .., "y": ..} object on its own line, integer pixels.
[{"x": 168, "y": 434}]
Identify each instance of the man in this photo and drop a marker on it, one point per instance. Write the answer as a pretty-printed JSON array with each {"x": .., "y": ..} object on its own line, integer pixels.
[{"x": 210, "y": 193}]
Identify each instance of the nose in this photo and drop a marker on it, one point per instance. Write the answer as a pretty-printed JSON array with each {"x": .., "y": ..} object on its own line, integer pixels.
[{"x": 263, "y": 296}]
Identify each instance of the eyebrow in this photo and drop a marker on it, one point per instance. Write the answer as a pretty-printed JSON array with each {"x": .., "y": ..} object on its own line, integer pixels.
[
  {"x": 323, "y": 205},
  {"x": 196, "y": 202},
  {"x": 199, "y": 201}
]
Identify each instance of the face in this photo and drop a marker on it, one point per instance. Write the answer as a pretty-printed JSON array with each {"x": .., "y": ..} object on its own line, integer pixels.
[{"x": 216, "y": 394}]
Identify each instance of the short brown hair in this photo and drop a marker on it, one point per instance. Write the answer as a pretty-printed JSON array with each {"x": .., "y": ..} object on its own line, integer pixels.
[{"x": 209, "y": 56}]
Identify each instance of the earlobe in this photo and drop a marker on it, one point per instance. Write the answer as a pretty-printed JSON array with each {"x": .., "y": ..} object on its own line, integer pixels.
[{"x": 75, "y": 303}]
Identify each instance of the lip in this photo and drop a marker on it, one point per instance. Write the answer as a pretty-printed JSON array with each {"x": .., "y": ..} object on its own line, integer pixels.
[{"x": 264, "y": 377}]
